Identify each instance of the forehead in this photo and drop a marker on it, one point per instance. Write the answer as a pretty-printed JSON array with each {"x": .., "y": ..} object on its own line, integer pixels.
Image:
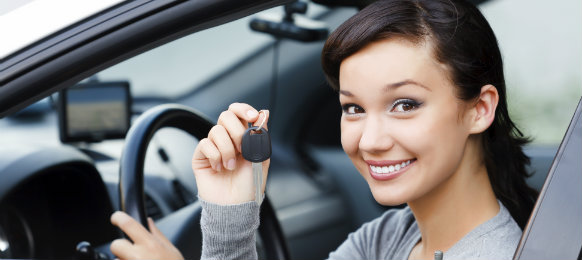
[{"x": 391, "y": 60}]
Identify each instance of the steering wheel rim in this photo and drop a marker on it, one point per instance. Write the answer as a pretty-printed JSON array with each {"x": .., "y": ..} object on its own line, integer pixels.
[{"x": 131, "y": 174}]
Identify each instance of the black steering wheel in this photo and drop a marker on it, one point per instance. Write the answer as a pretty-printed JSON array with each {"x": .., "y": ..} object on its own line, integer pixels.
[{"x": 185, "y": 223}]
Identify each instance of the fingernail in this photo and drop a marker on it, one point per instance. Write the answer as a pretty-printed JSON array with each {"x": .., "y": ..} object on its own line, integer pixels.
[
  {"x": 231, "y": 164},
  {"x": 252, "y": 113}
]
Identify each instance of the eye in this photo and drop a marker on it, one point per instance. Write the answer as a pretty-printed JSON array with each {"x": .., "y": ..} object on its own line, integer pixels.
[
  {"x": 404, "y": 105},
  {"x": 352, "y": 109}
]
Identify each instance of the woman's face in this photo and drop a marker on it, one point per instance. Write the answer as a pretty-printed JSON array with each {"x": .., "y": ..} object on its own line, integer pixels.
[{"x": 402, "y": 125}]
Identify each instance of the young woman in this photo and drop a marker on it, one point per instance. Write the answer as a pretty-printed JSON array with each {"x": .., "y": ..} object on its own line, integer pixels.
[{"x": 424, "y": 121}]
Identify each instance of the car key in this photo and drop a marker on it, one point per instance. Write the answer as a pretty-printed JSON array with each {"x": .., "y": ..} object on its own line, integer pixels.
[{"x": 256, "y": 148}]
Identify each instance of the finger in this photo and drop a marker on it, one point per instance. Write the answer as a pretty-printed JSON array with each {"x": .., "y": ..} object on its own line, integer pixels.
[
  {"x": 131, "y": 227},
  {"x": 235, "y": 127},
  {"x": 122, "y": 248},
  {"x": 244, "y": 112},
  {"x": 206, "y": 150},
  {"x": 158, "y": 234},
  {"x": 219, "y": 136}
]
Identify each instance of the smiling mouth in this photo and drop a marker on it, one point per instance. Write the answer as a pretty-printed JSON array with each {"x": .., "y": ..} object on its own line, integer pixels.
[{"x": 386, "y": 170}]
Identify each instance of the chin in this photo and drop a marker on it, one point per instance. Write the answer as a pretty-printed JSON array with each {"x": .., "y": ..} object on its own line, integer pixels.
[{"x": 388, "y": 196}]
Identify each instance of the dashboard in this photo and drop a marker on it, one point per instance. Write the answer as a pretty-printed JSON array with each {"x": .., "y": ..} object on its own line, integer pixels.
[{"x": 53, "y": 198}]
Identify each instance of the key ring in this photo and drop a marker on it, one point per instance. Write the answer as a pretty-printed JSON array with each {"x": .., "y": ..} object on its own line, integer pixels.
[{"x": 264, "y": 119}]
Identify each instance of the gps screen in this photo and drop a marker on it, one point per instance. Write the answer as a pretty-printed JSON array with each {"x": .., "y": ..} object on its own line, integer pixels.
[{"x": 95, "y": 111}]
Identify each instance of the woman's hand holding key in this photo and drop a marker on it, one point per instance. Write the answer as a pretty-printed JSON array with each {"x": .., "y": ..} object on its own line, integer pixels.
[{"x": 223, "y": 176}]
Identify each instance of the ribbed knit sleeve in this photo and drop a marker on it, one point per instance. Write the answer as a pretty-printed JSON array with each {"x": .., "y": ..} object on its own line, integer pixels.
[{"x": 228, "y": 232}]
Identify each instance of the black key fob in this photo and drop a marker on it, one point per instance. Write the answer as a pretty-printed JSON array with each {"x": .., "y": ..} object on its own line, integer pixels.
[{"x": 256, "y": 144}]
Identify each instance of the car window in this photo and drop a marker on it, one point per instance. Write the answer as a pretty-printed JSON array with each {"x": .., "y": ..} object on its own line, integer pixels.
[{"x": 541, "y": 43}]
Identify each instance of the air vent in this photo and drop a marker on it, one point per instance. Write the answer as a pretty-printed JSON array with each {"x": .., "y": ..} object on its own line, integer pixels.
[{"x": 152, "y": 208}]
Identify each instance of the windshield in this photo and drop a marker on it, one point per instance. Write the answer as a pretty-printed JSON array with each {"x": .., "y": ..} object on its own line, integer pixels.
[
  {"x": 47, "y": 18},
  {"x": 182, "y": 66}
]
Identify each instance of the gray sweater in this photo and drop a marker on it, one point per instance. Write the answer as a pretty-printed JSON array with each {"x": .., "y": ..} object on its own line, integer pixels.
[{"x": 229, "y": 233}]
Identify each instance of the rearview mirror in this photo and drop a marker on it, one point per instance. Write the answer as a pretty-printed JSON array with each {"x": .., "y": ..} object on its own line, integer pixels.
[{"x": 289, "y": 26}]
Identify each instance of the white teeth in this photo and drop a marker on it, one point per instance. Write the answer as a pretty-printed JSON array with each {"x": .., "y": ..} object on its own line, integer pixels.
[{"x": 390, "y": 168}]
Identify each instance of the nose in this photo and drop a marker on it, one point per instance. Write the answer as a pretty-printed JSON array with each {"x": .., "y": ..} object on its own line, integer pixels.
[{"x": 376, "y": 136}]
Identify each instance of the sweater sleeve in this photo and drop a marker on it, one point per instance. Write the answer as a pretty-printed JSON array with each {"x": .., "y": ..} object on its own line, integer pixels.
[{"x": 228, "y": 232}]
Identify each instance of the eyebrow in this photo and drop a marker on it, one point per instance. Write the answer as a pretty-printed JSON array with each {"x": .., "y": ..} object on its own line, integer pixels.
[
  {"x": 405, "y": 82},
  {"x": 390, "y": 86}
]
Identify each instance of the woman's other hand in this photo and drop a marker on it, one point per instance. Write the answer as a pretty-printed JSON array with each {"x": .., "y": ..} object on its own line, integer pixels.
[
  {"x": 223, "y": 176},
  {"x": 146, "y": 244}
]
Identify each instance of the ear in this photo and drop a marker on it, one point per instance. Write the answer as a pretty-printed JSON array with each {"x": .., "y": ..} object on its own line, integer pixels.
[{"x": 483, "y": 110}]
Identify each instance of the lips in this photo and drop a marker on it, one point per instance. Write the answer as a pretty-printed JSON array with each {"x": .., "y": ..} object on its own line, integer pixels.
[{"x": 387, "y": 170}]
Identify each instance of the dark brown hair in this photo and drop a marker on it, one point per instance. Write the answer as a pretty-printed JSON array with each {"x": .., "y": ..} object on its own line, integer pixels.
[{"x": 462, "y": 40}]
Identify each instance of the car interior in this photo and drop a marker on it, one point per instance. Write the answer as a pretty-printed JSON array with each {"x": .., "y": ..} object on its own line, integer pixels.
[{"x": 133, "y": 87}]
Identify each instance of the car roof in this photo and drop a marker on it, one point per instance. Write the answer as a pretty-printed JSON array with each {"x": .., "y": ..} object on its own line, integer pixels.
[{"x": 46, "y": 21}]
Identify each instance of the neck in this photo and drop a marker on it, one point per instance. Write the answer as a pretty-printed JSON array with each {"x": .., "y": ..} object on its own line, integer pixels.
[{"x": 456, "y": 206}]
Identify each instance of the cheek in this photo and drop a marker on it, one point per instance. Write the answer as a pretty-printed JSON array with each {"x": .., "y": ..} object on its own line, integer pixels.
[
  {"x": 440, "y": 141},
  {"x": 450, "y": 131},
  {"x": 414, "y": 135}
]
